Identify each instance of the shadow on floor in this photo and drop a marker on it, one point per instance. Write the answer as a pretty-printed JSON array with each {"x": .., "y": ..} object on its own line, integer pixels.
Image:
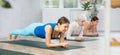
[
  {"x": 9, "y": 52},
  {"x": 38, "y": 44},
  {"x": 87, "y": 39}
]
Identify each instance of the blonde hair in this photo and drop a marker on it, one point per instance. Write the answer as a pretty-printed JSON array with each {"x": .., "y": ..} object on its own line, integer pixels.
[{"x": 81, "y": 17}]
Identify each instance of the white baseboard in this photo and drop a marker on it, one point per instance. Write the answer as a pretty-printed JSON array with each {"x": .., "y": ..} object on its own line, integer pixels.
[{"x": 110, "y": 30}]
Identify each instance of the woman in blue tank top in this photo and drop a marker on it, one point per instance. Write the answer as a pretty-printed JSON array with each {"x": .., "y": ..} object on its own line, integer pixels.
[{"x": 47, "y": 31}]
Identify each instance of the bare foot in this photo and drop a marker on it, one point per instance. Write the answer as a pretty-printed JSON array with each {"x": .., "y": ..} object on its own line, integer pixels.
[
  {"x": 9, "y": 37},
  {"x": 15, "y": 37}
]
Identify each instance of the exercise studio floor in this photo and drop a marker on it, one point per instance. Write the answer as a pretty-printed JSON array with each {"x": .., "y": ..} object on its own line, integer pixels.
[{"x": 36, "y": 46}]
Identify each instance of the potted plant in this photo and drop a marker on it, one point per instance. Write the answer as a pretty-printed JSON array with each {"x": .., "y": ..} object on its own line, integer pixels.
[
  {"x": 94, "y": 10},
  {"x": 86, "y": 9},
  {"x": 86, "y": 6},
  {"x": 5, "y": 4}
]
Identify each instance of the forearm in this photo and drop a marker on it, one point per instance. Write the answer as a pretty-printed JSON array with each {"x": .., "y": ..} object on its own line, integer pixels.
[
  {"x": 76, "y": 38},
  {"x": 90, "y": 34},
  {"x": 54, "y": 45},
  {"x": 70, "y": 38},
  {"x": 62, "y": 38}
]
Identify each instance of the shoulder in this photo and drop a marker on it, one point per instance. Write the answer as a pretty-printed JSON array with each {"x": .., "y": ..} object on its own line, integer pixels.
[
  {"x": 86, "y": 23},
  {"x": 48, "y": 27}
]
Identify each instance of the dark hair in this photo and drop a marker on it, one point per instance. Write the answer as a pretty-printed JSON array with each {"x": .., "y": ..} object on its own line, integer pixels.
[
  {"x": 94, "y": 18},
  {"x": 63, "y": 20}
]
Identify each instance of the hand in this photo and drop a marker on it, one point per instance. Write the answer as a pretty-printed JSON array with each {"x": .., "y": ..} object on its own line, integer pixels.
[
  {"x": 79, "y": 38},
  {"x": 65, "y": 45}
]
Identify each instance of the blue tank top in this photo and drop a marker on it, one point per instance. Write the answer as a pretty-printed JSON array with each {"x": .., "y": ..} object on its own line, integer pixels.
[{"x": 40, "y": 30}]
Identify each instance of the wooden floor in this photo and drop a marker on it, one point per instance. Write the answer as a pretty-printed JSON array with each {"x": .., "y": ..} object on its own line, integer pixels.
[{"x": 36, "y": 46}]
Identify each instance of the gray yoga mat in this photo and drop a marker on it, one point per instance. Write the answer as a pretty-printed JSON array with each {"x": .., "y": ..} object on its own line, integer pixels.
[
  {"x": 38, "y": 44},
  {"x": 9, "y": 52}
]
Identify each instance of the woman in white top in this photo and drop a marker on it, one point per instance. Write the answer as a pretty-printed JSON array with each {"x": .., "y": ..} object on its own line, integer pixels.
[{"x": 75, "y": 30}]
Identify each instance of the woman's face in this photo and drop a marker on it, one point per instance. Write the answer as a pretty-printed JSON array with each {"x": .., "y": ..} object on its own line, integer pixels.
[
  {"x": 63, "y": 27},
  {"x": 95, "y": 22},
  {"x": 81, "y": 22}
]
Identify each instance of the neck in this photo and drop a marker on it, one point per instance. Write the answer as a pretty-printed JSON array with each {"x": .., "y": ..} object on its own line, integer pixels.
[
  {"x": 91, "y": 24},
  {"x": 57, "y": 28}
]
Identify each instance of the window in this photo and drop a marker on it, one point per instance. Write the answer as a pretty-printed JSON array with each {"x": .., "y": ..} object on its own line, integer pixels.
[
  {"x": 51, "y": 3},
  {"x": 68, "y": 3}
]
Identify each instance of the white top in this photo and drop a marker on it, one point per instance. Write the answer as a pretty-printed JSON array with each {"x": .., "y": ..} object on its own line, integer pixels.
[{"x": 74, "y": 29}]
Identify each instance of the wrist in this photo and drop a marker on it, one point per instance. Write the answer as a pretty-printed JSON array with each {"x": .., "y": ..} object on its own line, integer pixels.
[{"x": 60, "y": 44}]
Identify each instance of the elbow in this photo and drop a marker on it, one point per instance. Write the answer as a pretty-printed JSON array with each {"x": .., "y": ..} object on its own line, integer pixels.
[{"x": 48, "y": 45}]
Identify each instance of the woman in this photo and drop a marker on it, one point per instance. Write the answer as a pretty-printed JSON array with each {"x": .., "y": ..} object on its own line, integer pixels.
[
  {"x": 75, "y": 30},
  {"x": 90, "y": 28},
  {"x": 47, "y": 31}
]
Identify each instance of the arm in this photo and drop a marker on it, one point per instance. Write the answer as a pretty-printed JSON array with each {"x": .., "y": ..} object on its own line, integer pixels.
[
  {"x": 86, "y": 28},
  {"x": 94, "y": 30},
  {"x": 81, "y": 32},
  {"x": 48, "y": 30},
  {"x": 80, "y": 36},
  {"x": 62, "y": 40},
  {"x": 70, "y": 30}
]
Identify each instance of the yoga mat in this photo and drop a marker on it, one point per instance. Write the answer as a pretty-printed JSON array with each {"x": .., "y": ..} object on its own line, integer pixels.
[
  {"x": 87, "y": 39},
  {"x": 38, "y": 44},
  {"x": 9, "y": 52}
]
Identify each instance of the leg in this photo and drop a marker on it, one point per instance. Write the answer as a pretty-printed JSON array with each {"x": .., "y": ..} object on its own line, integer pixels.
[
  {"x": 28, "y": 31},
  {"x": 31, "y": 28},
  {"x": 16, "y": 33},
  {"x": 94, "y": 31}
]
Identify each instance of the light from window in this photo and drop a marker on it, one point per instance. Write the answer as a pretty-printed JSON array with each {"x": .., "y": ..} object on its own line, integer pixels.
[
  {"x": 70, "y": 3},
  {"x": 51, "y": 3}
]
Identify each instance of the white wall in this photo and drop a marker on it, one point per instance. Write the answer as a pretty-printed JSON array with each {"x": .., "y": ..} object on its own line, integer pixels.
[
  {"x": 115, "y": 19},
  {"x": 52, "y": 15},
  {"x": 22, "y": 13},
  {"x": 101, "y": 16}
]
